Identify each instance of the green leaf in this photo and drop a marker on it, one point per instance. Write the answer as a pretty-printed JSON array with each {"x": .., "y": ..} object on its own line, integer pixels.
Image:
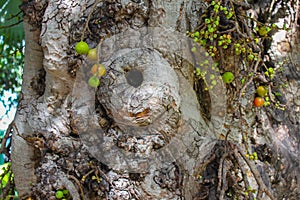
[{"x": 5, "y": 173}]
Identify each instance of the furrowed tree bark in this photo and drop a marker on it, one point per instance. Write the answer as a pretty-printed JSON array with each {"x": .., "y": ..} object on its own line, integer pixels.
[{"x": 142, "y": 133}]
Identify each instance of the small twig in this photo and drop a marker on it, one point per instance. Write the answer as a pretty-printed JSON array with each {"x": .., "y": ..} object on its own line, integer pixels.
[
  {"x": 79, "y": 185},
  {"x": 201, "y": 26},
  {"x": 270, "y": 9},
  {"x": 13, "y": 16},
  {"x": 86, "y": 175},
  {"x": 228, "y": 31},
  {"x": 86, "y": 27},
  {"x": 258, "y": 22},
  {"x": 270, "y": 94},
  {"x": 238, "y": 30},
  {"x": 296, "y": 16},
  {"x": 11, "y": 25},
  {"x": 222, "y": 176},
  {"x": 295, "y": 23},
  {"x": 104, "y": 176},
  {"x": 237, "y": 26},
  {"x": 135, "y": 195},
  {"x": 244, "y": 5},
  {"x": 251, "y": 78},
  {"x": 257, "y": 176},
  {"x": 245, "y": 178},
  {"x": 203, "y": 165},
  {"x": 5, "y": 138}
]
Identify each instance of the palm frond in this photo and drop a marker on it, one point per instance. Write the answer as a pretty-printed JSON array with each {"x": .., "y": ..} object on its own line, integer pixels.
[{"x": 11, "y": 25}]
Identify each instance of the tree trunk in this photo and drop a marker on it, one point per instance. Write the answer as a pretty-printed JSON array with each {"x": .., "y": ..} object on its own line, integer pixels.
[{"x": 146, "y": 132}]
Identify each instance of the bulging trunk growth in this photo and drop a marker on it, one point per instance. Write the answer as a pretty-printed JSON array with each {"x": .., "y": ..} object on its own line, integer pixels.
[{"x": 152, "y": 129}]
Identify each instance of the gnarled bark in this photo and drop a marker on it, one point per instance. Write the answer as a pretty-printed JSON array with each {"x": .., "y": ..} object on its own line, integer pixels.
[{"x": 141, "y": 133}]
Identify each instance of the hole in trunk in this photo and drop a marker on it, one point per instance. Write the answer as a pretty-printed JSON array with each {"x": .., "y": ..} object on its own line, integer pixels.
[{"x": 134, "y": 78}]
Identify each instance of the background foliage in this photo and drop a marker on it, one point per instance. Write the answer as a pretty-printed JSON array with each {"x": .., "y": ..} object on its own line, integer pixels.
[
  {"x": 11, "y": 48},
  {"x": 11, "y": 68}
]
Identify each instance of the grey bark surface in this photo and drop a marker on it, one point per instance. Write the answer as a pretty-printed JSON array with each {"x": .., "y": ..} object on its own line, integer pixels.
[
  {"x": 127, "y": 142},
  {"x": 23, "y": 156}
]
